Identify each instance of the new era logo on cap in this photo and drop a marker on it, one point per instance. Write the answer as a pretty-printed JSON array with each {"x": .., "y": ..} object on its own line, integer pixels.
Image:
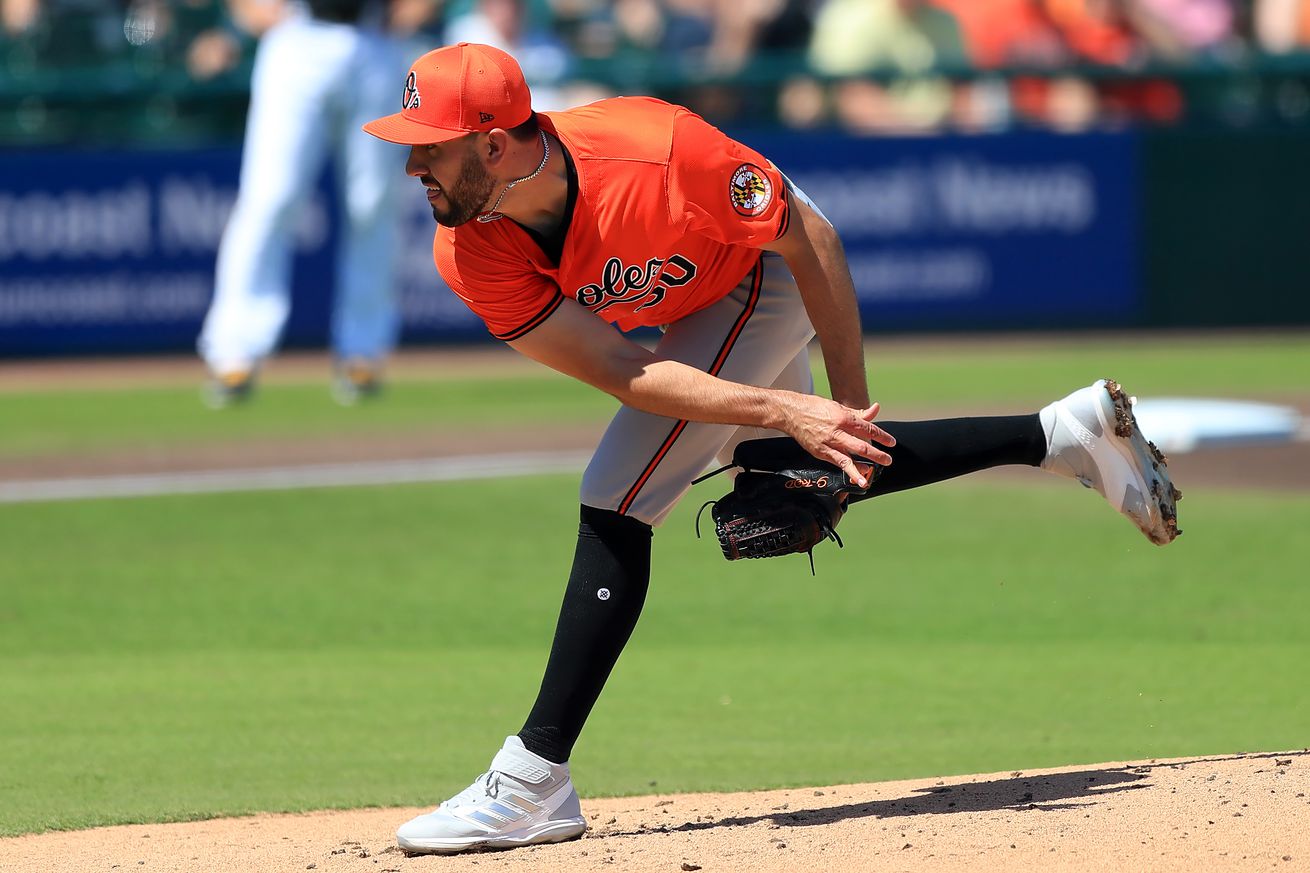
[{"x": 456, "y": 90}]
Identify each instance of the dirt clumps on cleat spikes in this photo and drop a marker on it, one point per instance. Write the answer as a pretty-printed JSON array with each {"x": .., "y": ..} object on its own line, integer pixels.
[
  {"x": 1168, "y": 514},
  {"x": 1123, "y": 409},
  {"x": 1156, "y": 454},
  {"x": 1163, "y": 493},
  {"x": 1171, "y": 528}
]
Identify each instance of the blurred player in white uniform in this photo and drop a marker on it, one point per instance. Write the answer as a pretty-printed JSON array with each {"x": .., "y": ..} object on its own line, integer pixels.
[{"x": 323, "y": 68}]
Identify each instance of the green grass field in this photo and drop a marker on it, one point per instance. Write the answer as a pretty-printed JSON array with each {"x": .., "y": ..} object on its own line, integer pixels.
[
  {"x": 181, "y": 657},
  {"x": 1025, "y": 371}
]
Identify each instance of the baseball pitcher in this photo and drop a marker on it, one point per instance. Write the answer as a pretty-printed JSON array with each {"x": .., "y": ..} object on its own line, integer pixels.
[{"x": 563, "y": 229}]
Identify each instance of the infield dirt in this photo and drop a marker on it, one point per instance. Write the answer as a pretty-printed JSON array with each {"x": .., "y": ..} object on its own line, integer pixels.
[{"x": 1239, "y": 812}]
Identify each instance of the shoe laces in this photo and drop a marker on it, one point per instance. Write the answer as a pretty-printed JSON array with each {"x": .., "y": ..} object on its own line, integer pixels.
[{"x": 486, "y": 785}]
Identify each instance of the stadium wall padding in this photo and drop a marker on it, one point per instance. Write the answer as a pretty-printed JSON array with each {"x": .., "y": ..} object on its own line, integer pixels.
[{"x": 1227, "y": 228}]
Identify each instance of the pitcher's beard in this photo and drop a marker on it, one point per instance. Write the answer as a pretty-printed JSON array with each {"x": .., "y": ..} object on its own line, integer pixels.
[{"x": 471, "y": 190}]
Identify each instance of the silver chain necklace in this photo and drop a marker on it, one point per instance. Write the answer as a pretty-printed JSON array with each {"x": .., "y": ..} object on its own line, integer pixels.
[{"x": 491, "y": 214}]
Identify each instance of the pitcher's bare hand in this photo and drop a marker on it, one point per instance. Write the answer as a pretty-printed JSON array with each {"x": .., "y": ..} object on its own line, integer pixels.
[{"x": 838, "y": 434}]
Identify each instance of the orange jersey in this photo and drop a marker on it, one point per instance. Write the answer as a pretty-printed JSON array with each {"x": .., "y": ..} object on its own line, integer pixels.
[{"x": 669, "y": 216}]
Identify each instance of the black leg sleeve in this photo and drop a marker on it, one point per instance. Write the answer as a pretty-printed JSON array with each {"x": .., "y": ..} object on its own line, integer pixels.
[
  {"x": 931, "y": 451},
  {"x": 606, "y": 590}
]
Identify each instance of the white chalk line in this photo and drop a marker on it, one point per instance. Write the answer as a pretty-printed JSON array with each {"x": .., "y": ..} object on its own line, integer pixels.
[{"x": 448, "y": 469}]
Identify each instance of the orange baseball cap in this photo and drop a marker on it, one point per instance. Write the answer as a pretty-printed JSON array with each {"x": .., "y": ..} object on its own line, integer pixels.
[{"x": 456, "y": 90}]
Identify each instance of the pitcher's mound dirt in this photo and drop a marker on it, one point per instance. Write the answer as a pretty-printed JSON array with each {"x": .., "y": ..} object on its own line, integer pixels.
[{"x": 1239, "y": 812}]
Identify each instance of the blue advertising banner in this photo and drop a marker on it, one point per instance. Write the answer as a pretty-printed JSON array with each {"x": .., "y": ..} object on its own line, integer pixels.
[
  {"x": 105, "y": 252},
  {"x": 1014, "y": 230},
  {"x": 115, "y": 253}
]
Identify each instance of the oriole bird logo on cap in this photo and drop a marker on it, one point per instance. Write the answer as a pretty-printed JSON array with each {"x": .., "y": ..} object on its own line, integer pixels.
[
  {"x": 412, "y": 99},
  {"x": 470, "y": 88}
]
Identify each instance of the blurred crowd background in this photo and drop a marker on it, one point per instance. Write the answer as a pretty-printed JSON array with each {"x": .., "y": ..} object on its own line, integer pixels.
[
  {"x": 991, "y": 164},
  {"x": 146, "y": 71}
]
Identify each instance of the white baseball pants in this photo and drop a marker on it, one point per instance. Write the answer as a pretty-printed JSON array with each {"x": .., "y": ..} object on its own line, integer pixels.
[{"x": 314, "y": 84}]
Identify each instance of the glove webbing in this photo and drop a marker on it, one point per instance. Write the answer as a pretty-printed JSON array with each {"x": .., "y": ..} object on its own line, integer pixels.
[{"x": 769, "y": 530}]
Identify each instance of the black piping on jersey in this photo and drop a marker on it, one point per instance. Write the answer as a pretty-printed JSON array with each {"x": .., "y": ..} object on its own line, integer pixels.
[
  {"x": 786, "y": 213},
  {"x": 552, "y": 244},
  {"x": 544, "y": 313},
  {"x": 720, "y": 358}
]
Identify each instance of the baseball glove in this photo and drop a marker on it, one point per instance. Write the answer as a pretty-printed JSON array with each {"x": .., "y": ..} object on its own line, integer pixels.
[{"x": 784, "y": 501}]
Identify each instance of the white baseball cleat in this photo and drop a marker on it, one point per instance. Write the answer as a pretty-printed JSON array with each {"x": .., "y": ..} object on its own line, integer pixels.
[
  {"x": 522, "y": 799},
  {"x": 1092, "y": 436}
]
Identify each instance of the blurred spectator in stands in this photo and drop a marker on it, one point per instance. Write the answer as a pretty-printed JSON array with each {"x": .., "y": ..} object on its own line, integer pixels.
[
  {"x": 67, "y": 48},
  {"x": 675, "y": 33},
  {"x": 585, "y": 26},
  {"x": 687, "y": 30},
  {"x": 746, "y": 28},
  {"x": 700, "y": 36},
  {"x": 66, "y": 32},
  {"x": 215, "y": 50},
  {"x": 18, "y": 16},
  {"x": 507, "y": 25},
  {"x": 1006, "y": 33},
  {"x": 1001, "y": 33},
  {"x": 908, "y": 39},
  {"x": 1102, "y": 32},
  {"x": 1283, "y": 26},
  {"x": 1184, "y": 29},
  {"x": 694, "y": 40},
  {"x": 1128, "y": 33},
  {"x": 1096, "y": 31},
  {"x": 80, "y": 33},
  {"x": 638, "y": 25}
]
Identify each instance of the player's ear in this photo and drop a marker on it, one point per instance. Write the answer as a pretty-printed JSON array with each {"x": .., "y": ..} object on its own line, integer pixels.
[{"x": 495, "y": 146}]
